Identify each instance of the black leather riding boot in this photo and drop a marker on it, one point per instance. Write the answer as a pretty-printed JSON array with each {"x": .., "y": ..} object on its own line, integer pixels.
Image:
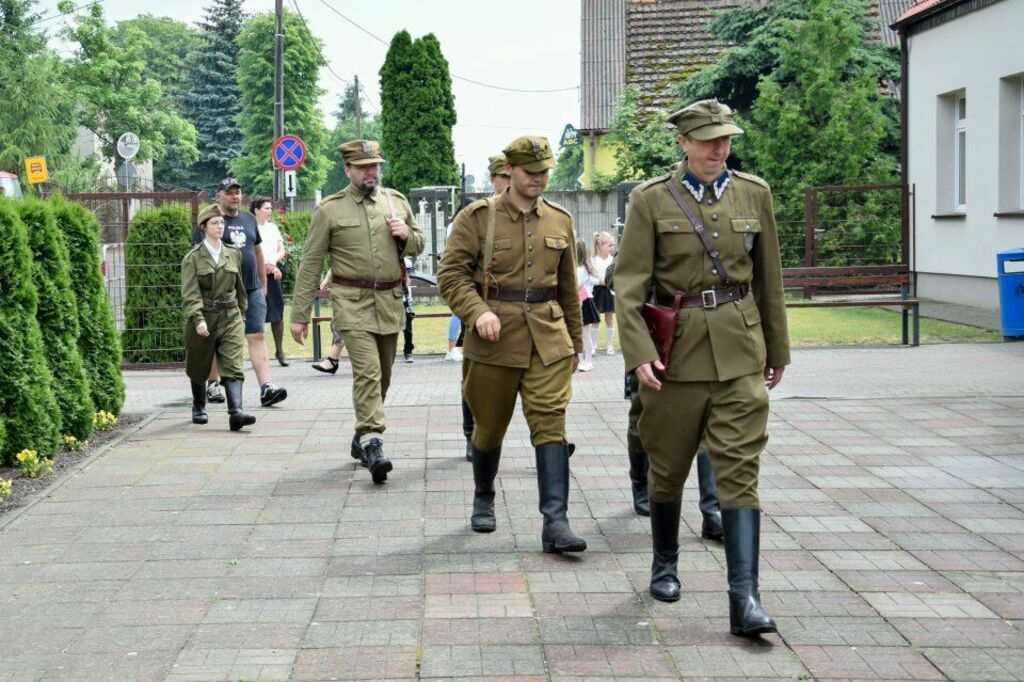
[
  {"x": 485, "y": 468},
  {"x": 376, "y": 462},
  {"x": 638, "y": 479},
  {"x": 553, "y": 485},
  {"x": 357, "y": 450},
  {"x": 199, "y": 404},
  {"x": 467, "y": 429},
  {"x": 711, "y": 526},
  {"x": 742, "y": 549},
  {"x": 665, "y": 539},
  {"x": 233, "y": 395}
]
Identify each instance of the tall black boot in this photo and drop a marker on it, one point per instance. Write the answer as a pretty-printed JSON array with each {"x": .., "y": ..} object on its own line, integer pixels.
[
  {"x": 711, "y": 526},
  {"x": 233, "y": 394},
  {"x": 638, "y": 478},
  {"x": 553, "y": 485},
  {"x": 485, "y": 468},
  {"x": 467, "y": 429},
  {"x": 376, "y": 462},
  {"x": 665, "y": 539},
  {"x": 199, "y": 404},
  {"x": 742, "y": 549}
]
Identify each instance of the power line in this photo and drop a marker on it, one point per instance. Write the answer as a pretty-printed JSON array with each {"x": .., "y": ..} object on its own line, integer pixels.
[
  {"x": 51, "y": 17},
  {"x": 327, "y": 64},
  {"x": 455, "y": 76}
]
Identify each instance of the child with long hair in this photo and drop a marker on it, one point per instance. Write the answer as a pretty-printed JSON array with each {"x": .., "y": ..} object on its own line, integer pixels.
[
  {"x": 587, "y": 278},
  {"x": 604, "y": 245}
]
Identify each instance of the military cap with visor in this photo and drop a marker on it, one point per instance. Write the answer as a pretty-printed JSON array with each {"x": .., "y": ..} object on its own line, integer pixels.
[
  {"x": 531, "y": 152},
  {"x": 705, "y": 120},
  {"x": 211, "y": 211},
  {"x": 496, "y": 165},
  {"x": 360, "y": 152}
]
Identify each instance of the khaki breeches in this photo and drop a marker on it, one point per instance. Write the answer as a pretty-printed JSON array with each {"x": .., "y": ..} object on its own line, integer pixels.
[
  {"x": 491, "y": 392},
  {"x": 732, "y": 415},
  {"x": 225, "y": 343}
]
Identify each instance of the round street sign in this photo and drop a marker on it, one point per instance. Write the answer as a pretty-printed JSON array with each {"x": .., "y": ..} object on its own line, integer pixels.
[
  {"x": 288, "y": 152},
  {"x": 128, "y": 145}
]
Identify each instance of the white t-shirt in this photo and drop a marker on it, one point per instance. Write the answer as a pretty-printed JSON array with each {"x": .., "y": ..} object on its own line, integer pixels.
[
  {"x": 586, "y": 280},
  {"x": 270, "y": 233},
  {"x": 601, "y": 265}
]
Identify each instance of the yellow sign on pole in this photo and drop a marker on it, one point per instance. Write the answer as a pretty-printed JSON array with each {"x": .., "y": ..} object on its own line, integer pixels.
[{"x": 35, "y": 168}]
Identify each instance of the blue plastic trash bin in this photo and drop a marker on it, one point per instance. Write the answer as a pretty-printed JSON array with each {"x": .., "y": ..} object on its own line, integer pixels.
[{"x": 1010, "y": 266}]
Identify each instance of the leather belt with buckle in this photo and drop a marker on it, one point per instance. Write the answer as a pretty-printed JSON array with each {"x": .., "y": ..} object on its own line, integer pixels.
[
  {"x": 709, "y": 299},
  {"x": 366, "y": 283},
  {"x": 219, "y": 305},
  {"x": 523, "y": 295}
]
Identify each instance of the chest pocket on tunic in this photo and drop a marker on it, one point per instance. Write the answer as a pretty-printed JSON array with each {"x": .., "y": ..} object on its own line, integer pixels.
[
  {"x": 677, "y": 238},
  {"x": 501, "y": 258},
  {"x": 554, "y": 247},
  {"x": 745, "y": 231},
  {"x": 204, "y": 273},
  {"x": 348, "y": 221}
]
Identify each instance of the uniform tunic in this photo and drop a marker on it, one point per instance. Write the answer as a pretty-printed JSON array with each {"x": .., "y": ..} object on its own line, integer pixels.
[
  {"x": 351, "y": 229},
  {"x": 715, "y": 370},
  {"x": 537, "y": 341},
  {"x": 202, "y": 278}
]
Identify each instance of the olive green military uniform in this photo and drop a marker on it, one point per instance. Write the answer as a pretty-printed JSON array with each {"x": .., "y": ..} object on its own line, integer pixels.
[
  {"x": 496, "y": 164},
  {"x": 715, "y": 375},
  {"x": 530, "y": 285},
  {"x": 533, "y": 355},
  {"x": 351, "y": 228},
  {"x": 204, "y": 284}
]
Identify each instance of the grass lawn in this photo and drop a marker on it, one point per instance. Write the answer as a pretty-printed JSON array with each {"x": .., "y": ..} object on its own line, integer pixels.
[{"x": 808, "y": 327}]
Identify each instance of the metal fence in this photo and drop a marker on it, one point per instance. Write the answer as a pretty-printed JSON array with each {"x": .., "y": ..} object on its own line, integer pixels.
[{"x": 115, "y": 211}]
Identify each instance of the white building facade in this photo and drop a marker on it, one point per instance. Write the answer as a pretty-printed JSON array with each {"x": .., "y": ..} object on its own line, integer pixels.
[{"x": 963, "y": 108}]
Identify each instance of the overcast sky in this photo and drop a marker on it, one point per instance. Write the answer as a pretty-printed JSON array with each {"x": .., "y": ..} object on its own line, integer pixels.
[{"x": 528, "y": 44}]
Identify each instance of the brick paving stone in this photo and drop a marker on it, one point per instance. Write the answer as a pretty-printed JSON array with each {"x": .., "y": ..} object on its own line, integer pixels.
[
  {"x": 892, "y": 581},
  {"x": 262, "y": 665},
  {"x": 959, "y": 632},
  {"x": 991, "y": 665},
  {"x": 480, "y": 631},
  {"x": 749, "y": 659},
  {"x": 857, "y": 631},
  {"x": 481, "y": 660},
  {"x": 355, "y": 663},
  {"x": 598, "y": 662},
  {"x": 1004, "y": 605},
  {"x": 879, "y": 663}
]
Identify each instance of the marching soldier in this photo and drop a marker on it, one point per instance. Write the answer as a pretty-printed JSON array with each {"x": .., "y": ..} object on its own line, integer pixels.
[
  {"x": 366, "y": 230},
  {"x": 731, "y": 343},
  {"x": 509, "y": 272},
  {"x": 214, "y": 300}
]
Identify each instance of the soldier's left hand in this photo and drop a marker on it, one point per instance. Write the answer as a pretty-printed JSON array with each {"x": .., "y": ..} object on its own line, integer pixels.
[
  {"x": 299, "y": 332},
  {"x": 399, "y": 230},
  {"x": 773, "y": 376}
]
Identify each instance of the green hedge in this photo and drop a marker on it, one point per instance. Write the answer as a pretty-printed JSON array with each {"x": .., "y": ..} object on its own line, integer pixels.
[
  {"x": 98, "y": 341},
  {"x": 296, "y": 226},
  {"x": 58, "y": 317},
  {"x": 26, "y": 395},
  {"x": 158, "y": 239}
]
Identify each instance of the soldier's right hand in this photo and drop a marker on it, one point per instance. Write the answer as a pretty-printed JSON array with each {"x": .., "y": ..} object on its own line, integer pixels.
[
  {"x": 645, "y": 373},
  {"x": 202, "y": 329},
  {"x": 299, "y": 332},
  {"x": 488, "y": 326}
]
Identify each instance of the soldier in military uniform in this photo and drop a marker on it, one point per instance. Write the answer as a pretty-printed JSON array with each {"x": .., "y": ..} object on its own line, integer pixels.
[
  {"x": 711, "y": 513},
  {"x": 499, "y": 178},
  {"x": 524, "y": 330},
  {"x": 214, "y": 302},
  {"x": 366, "y": 230},
  {"x": 731, "y": 343}
]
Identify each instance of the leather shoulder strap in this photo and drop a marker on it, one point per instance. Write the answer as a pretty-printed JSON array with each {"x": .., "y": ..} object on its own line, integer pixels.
[
  {"x": 698, "y": 227},
  {"x": 492, "y": 209}
]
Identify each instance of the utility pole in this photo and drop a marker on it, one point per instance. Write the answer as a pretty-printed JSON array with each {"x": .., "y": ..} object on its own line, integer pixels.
[
  {"x": 278, "y": 90},
  {"x": 359, "y": 111}
]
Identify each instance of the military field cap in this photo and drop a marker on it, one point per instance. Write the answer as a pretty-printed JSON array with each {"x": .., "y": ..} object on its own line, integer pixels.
[
  {"x": 228, "y": 183},
  {"x": 531, "y": 152},
  {"x": 496, "y": 164},
  {"x": 360, "y": 152},
  {"x": 707, "y": 119},
  {"x": 210, "y": 211}
]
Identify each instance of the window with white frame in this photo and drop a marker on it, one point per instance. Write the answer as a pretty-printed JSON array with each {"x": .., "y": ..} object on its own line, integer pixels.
[
  {"x": 960, "y": 154},
  {"x": 1020, "y": 142}
]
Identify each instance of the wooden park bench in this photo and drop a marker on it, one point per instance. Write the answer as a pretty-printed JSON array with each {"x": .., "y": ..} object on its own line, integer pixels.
[{"x": 880, "y": 286}]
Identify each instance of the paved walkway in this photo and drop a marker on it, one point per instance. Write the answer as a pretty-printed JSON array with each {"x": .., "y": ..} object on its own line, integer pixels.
[{"x": 893, "y": 544}]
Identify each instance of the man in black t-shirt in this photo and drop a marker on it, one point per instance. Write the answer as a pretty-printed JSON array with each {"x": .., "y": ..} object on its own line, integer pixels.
[{"x": 241, "y": 232}]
